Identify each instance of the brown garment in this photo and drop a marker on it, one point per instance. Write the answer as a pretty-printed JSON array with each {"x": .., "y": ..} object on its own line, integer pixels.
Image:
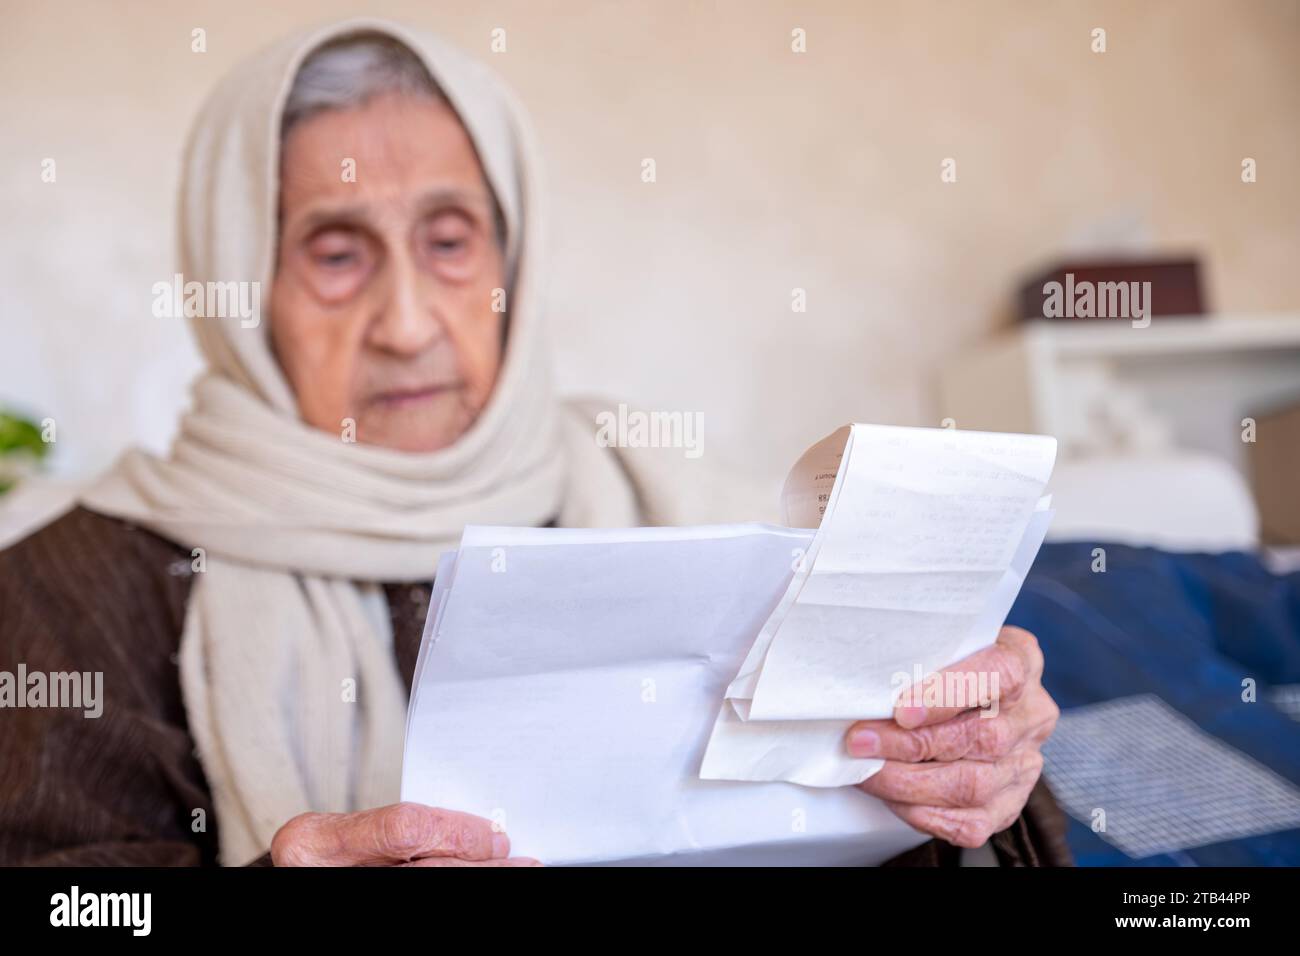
[{"x": 90, "y": 593}]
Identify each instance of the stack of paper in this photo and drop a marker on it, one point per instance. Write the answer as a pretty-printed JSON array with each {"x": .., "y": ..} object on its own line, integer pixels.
[{"x": 571, "y": 681}]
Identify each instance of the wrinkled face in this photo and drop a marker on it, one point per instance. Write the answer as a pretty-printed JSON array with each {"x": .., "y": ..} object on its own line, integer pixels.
[{"x": 382, "y": 304}]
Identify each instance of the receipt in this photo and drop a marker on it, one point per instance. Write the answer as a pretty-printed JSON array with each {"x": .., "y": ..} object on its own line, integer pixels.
[{"x": 924, "y": 537}]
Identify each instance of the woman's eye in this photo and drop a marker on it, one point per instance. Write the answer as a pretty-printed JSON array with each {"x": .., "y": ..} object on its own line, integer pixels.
[
  {"x": 334, "y": 251},
  {"x": 448, "y": 236},
  {"x": 448, "y": 244},
  {"x": 337, "y": 263},
  {"x": 336, "y": 258}
]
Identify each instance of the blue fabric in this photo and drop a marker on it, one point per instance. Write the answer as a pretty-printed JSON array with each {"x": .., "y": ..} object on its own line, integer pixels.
[{"x": 1188, "y": 628}]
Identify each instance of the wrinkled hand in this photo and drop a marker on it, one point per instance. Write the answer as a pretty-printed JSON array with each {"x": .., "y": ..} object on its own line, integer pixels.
[
  {"x": 403, "y": 834},
  {"x": 951, "y": 771}
]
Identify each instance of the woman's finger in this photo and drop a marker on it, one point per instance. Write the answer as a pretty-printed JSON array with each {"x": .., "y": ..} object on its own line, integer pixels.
[
  {"x": 453, "y": 861},
  {"x": 971, "y": 735},
  {"x": 962, "y": 783},
  {"x": 995, "y": 676},
  {"x": 968, "y": 827},
  {"x": 386, "y": 835}
]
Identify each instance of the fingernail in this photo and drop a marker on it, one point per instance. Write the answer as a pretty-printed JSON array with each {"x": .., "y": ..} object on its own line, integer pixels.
[
  {"x": 500, "y": 846},
  {"x": 864, "y": 743},
  {"x": 910, "y": 716}
]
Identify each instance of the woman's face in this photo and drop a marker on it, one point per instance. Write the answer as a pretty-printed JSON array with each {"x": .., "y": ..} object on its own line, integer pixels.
[{"x": 383, "y": 301}]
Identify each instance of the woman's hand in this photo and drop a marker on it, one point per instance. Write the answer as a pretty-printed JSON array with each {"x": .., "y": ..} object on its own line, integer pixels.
[
  {"x": 955, "y": 772},
  {"x": 403, "y": 834}
]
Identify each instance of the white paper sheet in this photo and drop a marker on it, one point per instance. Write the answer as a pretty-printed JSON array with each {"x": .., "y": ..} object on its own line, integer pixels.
[
  {"x": 571, "y": 686},
  {"x": 925, "y": 537}
]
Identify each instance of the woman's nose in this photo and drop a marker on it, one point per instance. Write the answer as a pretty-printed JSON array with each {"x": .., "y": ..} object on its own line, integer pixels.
[{"x": 408, "y": 321}]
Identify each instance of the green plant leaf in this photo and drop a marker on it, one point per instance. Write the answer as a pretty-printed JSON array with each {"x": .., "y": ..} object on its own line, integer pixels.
[{"x": 21, "y": 436}]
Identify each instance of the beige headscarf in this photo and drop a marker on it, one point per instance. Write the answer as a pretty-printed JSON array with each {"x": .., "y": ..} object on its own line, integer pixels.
[{"x": 297, "y": 526}]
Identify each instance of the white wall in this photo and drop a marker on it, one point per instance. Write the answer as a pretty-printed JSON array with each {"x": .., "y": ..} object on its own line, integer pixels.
[{"x": 776, "y": 171}]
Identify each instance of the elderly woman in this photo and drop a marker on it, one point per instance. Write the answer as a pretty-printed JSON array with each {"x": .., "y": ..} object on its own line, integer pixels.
[{"x": 381, "y": 186}]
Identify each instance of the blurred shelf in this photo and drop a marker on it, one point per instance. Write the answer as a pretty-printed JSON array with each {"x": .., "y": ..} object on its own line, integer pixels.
[
  {"x": 1105, "y": 386},
  {"x": 1170, "y": 335}
]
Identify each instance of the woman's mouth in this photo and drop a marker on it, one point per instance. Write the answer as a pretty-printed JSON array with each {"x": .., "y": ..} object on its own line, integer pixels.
[{"x": 402, "y": 398}]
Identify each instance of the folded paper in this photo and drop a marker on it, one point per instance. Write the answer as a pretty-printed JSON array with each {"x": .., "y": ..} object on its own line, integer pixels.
[
  {"x": 566, "y": 687},
  {"x": 657, "y": 695},
  {"x": 924, "y": 537}
]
